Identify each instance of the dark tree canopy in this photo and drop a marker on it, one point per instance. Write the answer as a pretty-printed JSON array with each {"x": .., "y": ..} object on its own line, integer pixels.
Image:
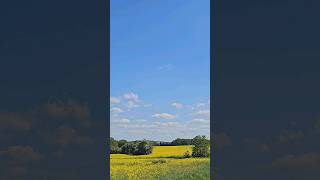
[
  {"x": 122, "y": 142},
  {"x": 201, "y": 146},
  {"x": 137, "y": 148},
  {"x": 114, "y": 146},
  {"x": 144, "y": 147},
  {"x": 180, "y": 142}
]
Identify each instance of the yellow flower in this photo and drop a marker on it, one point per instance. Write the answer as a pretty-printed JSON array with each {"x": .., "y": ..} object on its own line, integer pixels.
[{"x": 164, "y": 161}]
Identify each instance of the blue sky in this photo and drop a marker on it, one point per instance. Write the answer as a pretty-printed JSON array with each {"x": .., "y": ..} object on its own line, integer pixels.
[{"x": 160, "y": 73}]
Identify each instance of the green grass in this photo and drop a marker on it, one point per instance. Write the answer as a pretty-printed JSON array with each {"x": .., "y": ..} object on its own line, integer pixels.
[{"x": 201, "y": 172}]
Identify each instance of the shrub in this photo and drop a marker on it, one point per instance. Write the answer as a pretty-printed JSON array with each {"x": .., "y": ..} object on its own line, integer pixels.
[
  {"x": 129, "y": 148},
  {"x": 181, "y": 142},
  {"x": 201, "y": 146},
  {"x": 187, "y": 154},
  {"x": 121, "y": 143},
  {"x": 137, "y": 148},
  {"x": 160, "y": 161},
  {"x": 144, "y": 148}
]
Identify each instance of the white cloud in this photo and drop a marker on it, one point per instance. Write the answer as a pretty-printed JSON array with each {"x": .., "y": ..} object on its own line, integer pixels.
[
  {"x": 132, "y": 126},
  {"x": 114, "y": 100},
  {"x": 200, "y": 121},
  {"x": 132, "y": 100},
  {"x": 141, "y": 120},
  {"x": 122, "y": 121},
  {"x": 131, "y": 97},
  {"x": 199, "y": 105},
  {"x": 116, "y": 110},
  {"x": 167, "y": 124},
  {"x": 136, "y": 132},
  {"x": 192, "y": 129},
  {"x": 177, "y": 105},
  {"x": 162, "y": 122},
  {"x": 203, "y": 113},
  {"x": 142, "y": 126},
  {"x": 121, "y": 126},
  {"x": 132, "y": 104},
  {"x": 164, "y": 116}
]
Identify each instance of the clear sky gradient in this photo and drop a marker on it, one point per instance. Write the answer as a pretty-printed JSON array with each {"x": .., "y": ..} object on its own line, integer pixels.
[{"x": 160, "y": 73}]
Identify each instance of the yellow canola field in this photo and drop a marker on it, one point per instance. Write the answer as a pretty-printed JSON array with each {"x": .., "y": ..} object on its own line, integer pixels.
[{"x": 165, "y": 162}]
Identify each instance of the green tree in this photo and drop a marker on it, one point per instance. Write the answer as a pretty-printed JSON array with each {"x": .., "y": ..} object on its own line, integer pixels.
[
  {"x": 122, "y": 142},
  {"x": 179, "y": 142},
  {"x": 137, "y": 148},
  {"x": 201, "y": 146},
  {"x": 129, "y": 148},
  {"x": 114, "y": 146},
  {"x": 144, "y": 148}
]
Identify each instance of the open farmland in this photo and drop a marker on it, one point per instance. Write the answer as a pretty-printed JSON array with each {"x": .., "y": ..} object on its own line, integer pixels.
[{"x": 165, "y": 162}]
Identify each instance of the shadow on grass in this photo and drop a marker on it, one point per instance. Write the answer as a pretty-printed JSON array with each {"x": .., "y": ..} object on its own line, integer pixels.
[
  {"x": 174, "y": 157},
  {"x": 157, "y": 157},
  {"x": 182, "y": 157}
]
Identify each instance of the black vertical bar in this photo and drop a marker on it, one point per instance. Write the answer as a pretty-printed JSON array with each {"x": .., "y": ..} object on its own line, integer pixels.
[{"x": 108, "y": 91}]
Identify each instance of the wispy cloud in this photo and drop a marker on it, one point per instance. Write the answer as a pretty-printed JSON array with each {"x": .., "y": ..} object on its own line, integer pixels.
[
  {"x": 167, "y": 124},
  {"x": 200, "y": 121},
  {"x": 136, "y": 132},
  {"x": 205, "y": 113},
  {"x": 177, "y": 105},
  {"x": 131, "y": 104},
  {"x": 141, "y": 120},
  {"x": 164, "y": 116},
  {"x": 122, "y": 121},
  {"x": 132, "y": 100},
  {"x": 199, "y": 105},
  {"x": 194, "y": 119},
  {"x": 131, "y": 97},
  {"x": 116, "y": 110},
  {"x": 114, "y": 100}
]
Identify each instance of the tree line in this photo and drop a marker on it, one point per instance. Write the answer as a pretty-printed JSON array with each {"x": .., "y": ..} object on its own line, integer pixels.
[
  {"x": 200, "y": 146},
  {"x": 143, "y": 147}
]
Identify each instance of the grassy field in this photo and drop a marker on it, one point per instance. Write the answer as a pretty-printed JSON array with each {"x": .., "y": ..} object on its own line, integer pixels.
[{"x": 165, "y": 162}]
